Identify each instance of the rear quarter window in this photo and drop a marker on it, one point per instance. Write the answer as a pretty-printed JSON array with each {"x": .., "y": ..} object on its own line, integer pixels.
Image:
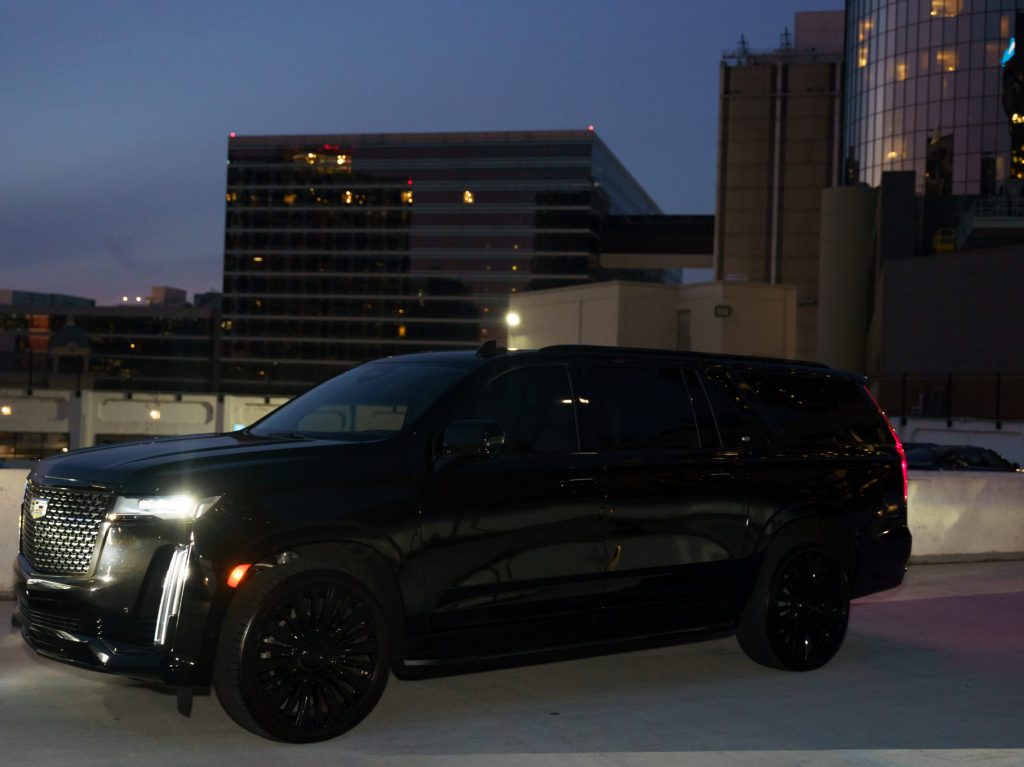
[{"x": 819, "y": 410}]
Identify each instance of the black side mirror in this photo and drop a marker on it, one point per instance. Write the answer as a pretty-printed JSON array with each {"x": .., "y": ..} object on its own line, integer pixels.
[{"x": 471, "y": 439}]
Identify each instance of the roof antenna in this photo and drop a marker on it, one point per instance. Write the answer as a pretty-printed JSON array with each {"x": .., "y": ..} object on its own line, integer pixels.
[
  {"x": 742, "y": 50},
  {"x": 488, "y": 349},
  {"x": 787, "y": 41}
]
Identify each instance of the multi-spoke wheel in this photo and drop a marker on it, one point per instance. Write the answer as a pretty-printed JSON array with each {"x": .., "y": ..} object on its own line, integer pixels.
[
  {"x": 796, "y": 618},
  {"x": 303, "y": 654}
]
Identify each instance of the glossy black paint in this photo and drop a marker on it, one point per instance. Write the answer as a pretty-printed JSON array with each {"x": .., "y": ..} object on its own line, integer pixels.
[{"x": 472, "y": 556}]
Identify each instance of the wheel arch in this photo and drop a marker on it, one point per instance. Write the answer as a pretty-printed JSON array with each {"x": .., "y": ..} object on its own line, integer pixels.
[
  {"x": 815, "y": 521},
  {"x": 373, "y": 559}
]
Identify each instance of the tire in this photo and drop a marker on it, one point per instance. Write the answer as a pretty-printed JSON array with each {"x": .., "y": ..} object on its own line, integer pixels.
[
  {"x": 303, "y": 653},
  {"x": 797, "y": 615}
]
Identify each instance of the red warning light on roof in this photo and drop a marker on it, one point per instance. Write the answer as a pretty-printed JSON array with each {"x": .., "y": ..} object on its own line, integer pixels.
[
  {"x": 232, "y": 134},
  {"x": 590, "y": 128},
  {"x": 409, "y": 182}
]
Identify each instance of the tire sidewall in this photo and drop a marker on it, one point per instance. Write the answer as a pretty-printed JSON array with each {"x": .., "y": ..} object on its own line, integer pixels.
[
  {"x": 785, "y": 556},
  {"x": 253, "y": 609}
]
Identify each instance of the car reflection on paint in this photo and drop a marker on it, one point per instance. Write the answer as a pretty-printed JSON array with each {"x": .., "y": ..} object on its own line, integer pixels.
[{"x": 927, "y": 456}]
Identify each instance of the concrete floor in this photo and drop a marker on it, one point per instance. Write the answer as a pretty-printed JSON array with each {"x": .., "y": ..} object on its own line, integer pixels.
[{"x": 931, "y": 674}]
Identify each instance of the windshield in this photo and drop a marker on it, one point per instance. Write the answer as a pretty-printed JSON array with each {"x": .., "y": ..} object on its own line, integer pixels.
[{"x": 369, "y": 402}]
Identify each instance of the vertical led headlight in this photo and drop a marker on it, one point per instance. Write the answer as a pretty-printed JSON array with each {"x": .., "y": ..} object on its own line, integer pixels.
[{"x": 173, "y": 588}]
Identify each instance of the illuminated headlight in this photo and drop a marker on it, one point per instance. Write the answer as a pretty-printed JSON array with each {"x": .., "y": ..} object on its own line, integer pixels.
[{"x": 162, "y": 507}]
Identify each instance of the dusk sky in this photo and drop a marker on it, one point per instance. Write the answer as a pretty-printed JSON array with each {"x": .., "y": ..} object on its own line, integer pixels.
[{"x": 116, "y": 114}]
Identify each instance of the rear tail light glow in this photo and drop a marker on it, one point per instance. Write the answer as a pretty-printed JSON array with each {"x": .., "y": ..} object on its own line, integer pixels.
[{"x": 899, "y": 445}]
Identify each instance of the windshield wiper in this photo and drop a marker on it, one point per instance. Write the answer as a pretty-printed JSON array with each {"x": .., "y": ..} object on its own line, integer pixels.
[{"x": 285, "y": 435}]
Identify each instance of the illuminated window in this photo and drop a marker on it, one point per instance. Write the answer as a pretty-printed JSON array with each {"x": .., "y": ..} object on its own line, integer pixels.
[
  {"x": 401, "y": 331},
  {"x": 232, "y": 196},
  {"x": 1004, "y": 25},
  {"x": 946, "y": 7},
  {"x": 864, "y": 29},
  {"x": 862, "y": 56},
  {"x": 901, "y": 71},
  {"x": 407, "y": 197},
  {"x": 467, "y": 197},
  {"x": 946, "y": 59},
  {"x": 348, "y": 197},
  {"x": 6, "y": 410},
  {"x": 289, "y": 199},
  {"x": 257, "y": 259}
]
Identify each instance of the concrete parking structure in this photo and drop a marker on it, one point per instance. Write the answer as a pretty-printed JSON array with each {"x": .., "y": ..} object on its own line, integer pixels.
[{"x": 931, "y": 673}]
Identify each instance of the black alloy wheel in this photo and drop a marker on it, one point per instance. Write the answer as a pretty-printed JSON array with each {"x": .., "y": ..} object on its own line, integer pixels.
[
  {"x": 808, "y": 609},
  {"x": 311, "y": 656},
  {"x": 797, "y": 616}
]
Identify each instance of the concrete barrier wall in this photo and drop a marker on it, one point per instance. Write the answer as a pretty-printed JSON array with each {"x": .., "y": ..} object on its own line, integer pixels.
[
  {"x": 12, "y": 488},
  {"x": 965, "y": 515},
  {"x": 954, "y": 515}
]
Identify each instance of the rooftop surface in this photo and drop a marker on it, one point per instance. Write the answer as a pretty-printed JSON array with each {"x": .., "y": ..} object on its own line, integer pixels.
[{"x": 931, "y": 674}]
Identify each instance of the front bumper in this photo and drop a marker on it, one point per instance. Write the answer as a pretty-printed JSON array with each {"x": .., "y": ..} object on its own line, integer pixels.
[{"x": 80, "y": 622}]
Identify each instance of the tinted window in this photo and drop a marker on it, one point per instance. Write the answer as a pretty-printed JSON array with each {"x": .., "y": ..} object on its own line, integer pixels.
[
  {"x": 819, "y": 410},
  {"x": 640, "y": 407},
  {"x": 533, "y": 406},
  {"x": 736, "y": 421}
]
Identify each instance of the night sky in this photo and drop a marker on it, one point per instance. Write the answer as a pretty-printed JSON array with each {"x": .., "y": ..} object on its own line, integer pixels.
[{"x": 115, "y": 116}]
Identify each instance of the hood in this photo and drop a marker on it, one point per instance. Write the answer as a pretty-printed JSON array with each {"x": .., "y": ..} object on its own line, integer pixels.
[{"x": 169, "y": 464}]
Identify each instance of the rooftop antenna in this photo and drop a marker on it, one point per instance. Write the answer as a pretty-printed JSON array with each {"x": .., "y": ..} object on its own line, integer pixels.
[
  {"x": 742, "y": 50},
  {"x": 786, "y": 43}
]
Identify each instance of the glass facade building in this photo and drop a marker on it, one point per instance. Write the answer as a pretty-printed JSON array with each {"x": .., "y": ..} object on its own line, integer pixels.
[
  {"x": 344, "y": 248},
  {"x": 922, "y": 94}
]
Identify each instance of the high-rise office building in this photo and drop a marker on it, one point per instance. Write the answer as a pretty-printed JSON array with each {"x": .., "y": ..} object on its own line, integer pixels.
[
  {"x": 923, "y": 85},
  {"x": 778, "y": 147},
  {"x": 343, "y": 248}
]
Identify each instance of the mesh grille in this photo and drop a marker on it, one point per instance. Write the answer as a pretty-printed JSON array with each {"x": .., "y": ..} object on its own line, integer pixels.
[{"x": 61, "y": 542}]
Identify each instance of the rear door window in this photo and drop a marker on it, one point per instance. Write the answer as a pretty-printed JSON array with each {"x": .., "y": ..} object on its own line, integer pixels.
[
  {"x": 637, "y": 407},
  {"x": 819, "y": 409}
]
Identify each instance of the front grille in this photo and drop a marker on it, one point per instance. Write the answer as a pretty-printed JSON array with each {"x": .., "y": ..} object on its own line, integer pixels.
[{"x": 62, "y": 540}]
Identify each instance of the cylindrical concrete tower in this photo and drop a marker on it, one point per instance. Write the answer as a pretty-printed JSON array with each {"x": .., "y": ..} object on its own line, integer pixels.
[{"x": 844, "y": 276}]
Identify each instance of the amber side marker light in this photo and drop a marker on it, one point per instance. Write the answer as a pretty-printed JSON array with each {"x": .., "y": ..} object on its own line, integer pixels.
[{"x": 237, "y": 574}]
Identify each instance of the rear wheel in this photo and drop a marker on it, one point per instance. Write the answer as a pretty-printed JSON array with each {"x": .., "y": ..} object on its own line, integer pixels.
[
  {"x": 797, "y": 616},
  {"x": 303, "y": 653}
]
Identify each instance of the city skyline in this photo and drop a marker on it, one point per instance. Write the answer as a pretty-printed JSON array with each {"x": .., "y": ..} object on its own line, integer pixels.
[{"x": 116, "y": 175}]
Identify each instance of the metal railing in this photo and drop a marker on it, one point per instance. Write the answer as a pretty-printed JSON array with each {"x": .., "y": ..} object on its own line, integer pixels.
[{"x": 997, "y": 397}]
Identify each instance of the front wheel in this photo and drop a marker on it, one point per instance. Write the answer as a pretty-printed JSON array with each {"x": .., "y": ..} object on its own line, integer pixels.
[
  {"x": 797, "y": 615},
  {"x": 303, "y": 654}
]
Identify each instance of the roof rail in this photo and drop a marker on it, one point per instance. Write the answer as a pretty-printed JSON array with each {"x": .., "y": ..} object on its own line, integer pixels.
[{"x": 709, "y": 356}]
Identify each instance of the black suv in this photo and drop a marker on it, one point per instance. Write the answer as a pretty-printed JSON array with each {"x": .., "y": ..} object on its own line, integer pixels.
[{"x": 419, "y": 513}]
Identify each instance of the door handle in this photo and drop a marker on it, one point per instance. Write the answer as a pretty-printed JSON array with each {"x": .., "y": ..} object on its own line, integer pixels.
[
  {"x": 717, "y": 476},
  {"x": 616, "y": 558},
  {"x": 576, "y": 483}
]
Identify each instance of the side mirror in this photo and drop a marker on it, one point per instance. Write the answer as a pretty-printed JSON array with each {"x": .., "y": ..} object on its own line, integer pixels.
[{"x": 471, "y": 439}]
